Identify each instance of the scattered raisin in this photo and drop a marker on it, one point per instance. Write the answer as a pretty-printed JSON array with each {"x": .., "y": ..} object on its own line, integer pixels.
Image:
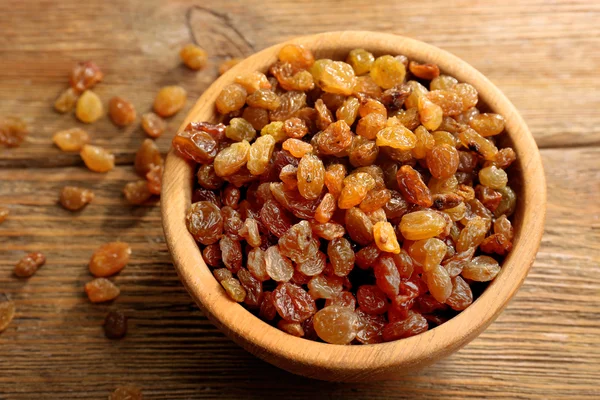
[{"x": 75, "y": 198}]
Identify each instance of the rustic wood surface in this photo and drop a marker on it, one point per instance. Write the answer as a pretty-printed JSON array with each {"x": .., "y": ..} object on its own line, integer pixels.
[{"x": 543, "y": 55}]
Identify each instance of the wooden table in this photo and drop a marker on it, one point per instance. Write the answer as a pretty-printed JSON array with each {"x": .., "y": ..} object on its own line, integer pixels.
[{"x": 544, "y": 56}]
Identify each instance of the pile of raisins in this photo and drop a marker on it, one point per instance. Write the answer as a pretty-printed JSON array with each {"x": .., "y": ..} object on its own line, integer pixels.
[{"x": 350, "y": 202}]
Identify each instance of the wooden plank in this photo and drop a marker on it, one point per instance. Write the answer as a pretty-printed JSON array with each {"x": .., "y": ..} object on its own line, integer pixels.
[
  {"x": 543, "y": 56},
  {"x": 547, "y": 342}
]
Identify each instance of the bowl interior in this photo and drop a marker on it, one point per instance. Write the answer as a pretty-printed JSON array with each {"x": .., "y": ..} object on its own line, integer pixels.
[{"x": 326, "y": 361}]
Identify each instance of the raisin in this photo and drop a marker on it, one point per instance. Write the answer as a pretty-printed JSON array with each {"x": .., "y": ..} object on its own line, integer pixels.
[
  {"x": 334, "y": 178},
  {"x": 115, "y": 325},
  {"x": 503, "y": 226},
  {"x": 232, "y": 222},
  {"x": 66, "y": 100},
  {"x": 289, "y": 176},
  {"x": 371, "y": 106},
  {"x": 444, "y": 186},
  {"x": 334, "y": 76},
  {"x": 258, "y": 117},
  {"x": 422, "y": 224},
  {"x": 393, "y": 99},
  {"x": 493, "y": 177},
  {"x": 205, "y": 195},
  {"x": 488, "y": 197},
  {"x": 472, "y": 234},
  {"x": 204, "y": 222},
  {"x": 85, "y": 75},
  {"x": 450, "y": 102},
  {"x": 293, "y": 303},
  {"x": 356, "y": 187},
  {"x": 325, "y": 209},
  {"x": 232, "y": 98},
  {"x": 387, "y": 275},
  {"x": 89, "y": 107},
  {"x": 109, "y": 259},
  {"x": 414, "y": 324},
  {"x": 341, "y": 256},
  {"x": 369, "y": 125},
  {"x": 325, "y": 287},
  {"x": 359, "y": 226},
  {"x": 311, "y": 176},
  {"x": 193, "y": 56},
  {"x": 137, "y": 192},
  {"x": 278, "y": 266},
  {"x": 169, "y": 101},
  {"x": 297, "y": 243},
  {"x": 342, "y": 299},
  {"x": 212, "y": 255},
  {"x": 371, "y": 299},
  {"x": 267, "y": 311},
  {"x": 121, "y": 111},
  {"x": 412, "y": 187},
  {"x": 7, "y": 312},
  {"x": 336, "y": 324},
  {"x": 388, "y": 71},
  {"x": 362, "y": 152},
  {"x": 371, "y": 328},
  {"x": 3, "y": 214},
  {"x": 97, "y": 159},
  {"x": 260, "y": 153},
  {"x": 360, "y": 60},
  {"x": 127, "y": 392},
  {"x": 147, "y": 156},
  {"x": 239, "y": 129},
  {"x": 396, "y": 207},
  {"x": 264, "y": 98},
  {"x": 75, "y": 198},
  {"x": 348, "y": 111},
  {"x": 424, "y": 71},
  {"x": 71, "y": 139},
  {"x": 231, "y": 159},
  {"x": 335, "y": 138},
  {"x": 409, "y": 118},
  {"x": 313, "y": 265},
  {"x": 396, "y": 137},
  {"x": 417, "y": 91},
  {"x": 207, "y": 178},
  {"x": 291, "y": 78},
  {"x": 234, "y": 289},
  {"x": 477, "y": 143},
  {"x": 153, "y": 125},
  {"x": 442, "y": 161},
  {"x": 297, "y": 55},
  {"x": 365, "y": 87},
  {"x": 430, "y": 114},
  {"x": 100, "y": 290},
  {"x": 154, "y": 179},
  {"x": 508, "y": 203},
  {"x": 275, "y": 218},
  {"x": 367, "y": 256},
  {"x": 291, "y": 103},
  {"x": 481, "y": 269},
  {"x": 329, "y": 230},
  {"x": 385, "y": 237},
  {"x": 295, "y": 128},
  {"x": 293, "y": 328},
  {"x": 29, "y": 265},
  {"x": 496, "y": 243}
]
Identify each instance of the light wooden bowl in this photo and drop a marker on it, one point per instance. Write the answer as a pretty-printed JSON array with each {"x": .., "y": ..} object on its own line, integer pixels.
[{"x": 364, "y": 362}]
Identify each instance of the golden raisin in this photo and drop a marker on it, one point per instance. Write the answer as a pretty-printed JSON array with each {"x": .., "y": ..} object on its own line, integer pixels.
[
  {"x": 89, "y": 107},
  {"x": 71, "y": 139},
  {"x": 97, "y": 159},
  {"x": 153, "y": 125},
  {"x": 169, "y": 100},
  {"x": 109, "y": 259},
  {"x": 121, "y": 111},
  {"x": 193, "y": 56},
  {"x": 65, "y": 102},
  {"x": 75, "y": 198}
]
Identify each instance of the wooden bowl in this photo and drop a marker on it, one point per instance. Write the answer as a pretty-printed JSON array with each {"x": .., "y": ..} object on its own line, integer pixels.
[{"x": 361, "y": 362}]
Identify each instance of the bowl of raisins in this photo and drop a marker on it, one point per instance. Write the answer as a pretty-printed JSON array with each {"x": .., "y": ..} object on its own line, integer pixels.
[{"x": 353, "y": 205}]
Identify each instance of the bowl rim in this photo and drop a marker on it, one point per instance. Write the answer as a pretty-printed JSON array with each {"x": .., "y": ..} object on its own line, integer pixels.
[{"x": 295, "y": 353}]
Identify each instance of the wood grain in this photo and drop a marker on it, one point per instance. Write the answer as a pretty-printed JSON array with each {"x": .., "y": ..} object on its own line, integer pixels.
[{"x": 542, "y": 55}]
